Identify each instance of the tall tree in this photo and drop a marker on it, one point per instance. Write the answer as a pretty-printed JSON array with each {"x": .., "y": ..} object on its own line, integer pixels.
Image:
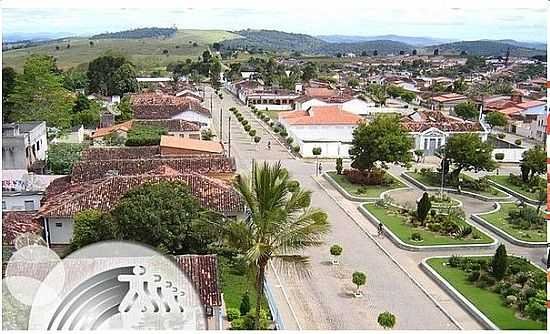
[
  {"x": 39, "y": 94},
  {"x": 466, "y": 151},
  {"x": 382, "y": 140},
  {"x": 8, "y": 84},
  {"x": 499, "y": 264},
  {"x": 164, "y": 215},
  {"x": 534, "y": 162},
  {"x": 280, "y": 222},
  {"x": 495, "y": 118},
  {"x": 108, "y": 76},
  {"x": 466, "y": 110},
  {"x": 377, "y": 93}
]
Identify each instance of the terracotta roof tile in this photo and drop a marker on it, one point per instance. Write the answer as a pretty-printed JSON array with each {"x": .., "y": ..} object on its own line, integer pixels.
[
  {"x": 86, "y": 170},
  {"x": 171, "y": 125},
  {"x": 15, "y": 223},
  {"x": 207, "y": 146},
  {"x": 101, "y": 132},
  {"x": 202, "y": 271},
  {"x": 530, "y": 104},
  {"x": 436, "y": 119},
  {"x": 163, "y": 106},
  {"x": 103, "y": 194},
  {"x": 449, "y": 97},
  {"x": 321, "y": 115},
  {"x": 123, "y": 152}
]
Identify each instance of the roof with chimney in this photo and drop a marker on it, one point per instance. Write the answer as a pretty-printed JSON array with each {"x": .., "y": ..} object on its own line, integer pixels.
[
  {"x": 163, "y": 106},
  {"x": 103, "y": 194}
]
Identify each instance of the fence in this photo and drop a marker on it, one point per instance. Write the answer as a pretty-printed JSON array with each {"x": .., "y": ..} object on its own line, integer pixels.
[{"x": 277, "y": 319}]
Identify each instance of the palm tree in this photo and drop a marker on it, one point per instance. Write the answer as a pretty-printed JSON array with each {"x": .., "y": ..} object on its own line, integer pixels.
[{"x": 280, "y": 222}]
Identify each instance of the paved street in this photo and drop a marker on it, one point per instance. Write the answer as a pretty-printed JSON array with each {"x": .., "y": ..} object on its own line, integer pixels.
[{"x": 323, "y": 299}]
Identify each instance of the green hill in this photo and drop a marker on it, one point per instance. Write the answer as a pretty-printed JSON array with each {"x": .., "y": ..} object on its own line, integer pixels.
[
  {"x": 145, "y": 53},
  {"x": 483, "y": 48}
]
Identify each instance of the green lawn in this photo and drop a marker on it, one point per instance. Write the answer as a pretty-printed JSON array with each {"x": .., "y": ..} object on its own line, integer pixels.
[
  {"x": 499, "y": 220},
  {"x": 399, "y": 226},
  {"x": 504, "y": 180},
  {"x": 427, "y": 181},
  {"x": 369, "y": 191},
  {"x": 234, "y": 285},
  {"x": 489, "y": 303}
]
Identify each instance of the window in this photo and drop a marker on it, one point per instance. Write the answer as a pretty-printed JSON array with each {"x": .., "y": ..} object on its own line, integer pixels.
[
  {"x": 38, "y": 145},
  {"x": 29, "y": 205},
  {"x": 4, "y": 205},
  {"x": 58, "y": 224}
]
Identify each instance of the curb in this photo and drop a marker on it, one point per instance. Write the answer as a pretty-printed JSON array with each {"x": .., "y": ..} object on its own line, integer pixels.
[
  {"x": 394, "y": 260},
  {"x": 513, "y": 193},
  {"x": 403, "y": 245},
  {"x": 455, "y": 294},
  {"x": 503, "y": 234},
  {"x": 452, "y": 190}
]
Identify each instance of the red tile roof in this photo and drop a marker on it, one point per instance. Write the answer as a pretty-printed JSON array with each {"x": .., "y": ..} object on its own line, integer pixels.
[
  {"x": 162, "y": 106},
  {"x": 86, "y": 170},
  {"x": 15, "y": 223},
  {"x": 101, "y": 132},
  {"x": 171, "y": 125},
  {"x": 530, "y": 104},
  {"x": 202, "y": 271},
  {"x": 103, "y": 194},
  {"x": 449, "y": 97},
  {"x": 206, "y": 146},
  {"x": 123, "y": 152},
  {"x": 320, "y": 115},
  {"x": 510, "y": 111},
  {"x": 436, "y": 119}
]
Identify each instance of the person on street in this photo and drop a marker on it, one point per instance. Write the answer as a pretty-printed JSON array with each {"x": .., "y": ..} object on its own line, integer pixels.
[
  {"x": 320, "y": 168},
  {"x": 269, "y": 145},
  {"x": 380, "y": 229}
]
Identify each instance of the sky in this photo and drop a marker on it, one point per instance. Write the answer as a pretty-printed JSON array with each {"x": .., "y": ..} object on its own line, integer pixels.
[{"x": 527, "y": 24}]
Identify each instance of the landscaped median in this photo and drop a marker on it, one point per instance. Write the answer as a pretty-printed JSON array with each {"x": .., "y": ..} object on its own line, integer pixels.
[
  {"x": 431, "y": 181},
  {"x": 520, "y": 225},
  {"x": 361, "y": 193},
  {"x": 516, "y": 187},
  {"x": 438, "y": 230},
  {"x": 514, "y": 299}
]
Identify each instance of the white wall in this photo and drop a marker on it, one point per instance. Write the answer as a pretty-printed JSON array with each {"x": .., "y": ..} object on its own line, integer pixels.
[
  {"x": 60, "y": 234},
  {"x": 310, "y": 103},
  {"x": 334, "y": 140},
  {"x": 193, "y": 116},
  {"x": 510, "y": 154},
  {"x": 358, "y": 106},
  {"x": 17, "y": 203},
  {"x": 278, "y": 107}
]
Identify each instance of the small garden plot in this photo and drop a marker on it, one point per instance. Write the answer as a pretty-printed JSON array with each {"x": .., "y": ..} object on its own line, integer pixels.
[
  {"x": 388, "y": 182},
  {"x": 529, "y": 188},
  {"x": 481, "y": 186},
  {"x": 523, "y": 222},
  {"x": 510, "y": 291},
  {"x": 434, "y": 229}
]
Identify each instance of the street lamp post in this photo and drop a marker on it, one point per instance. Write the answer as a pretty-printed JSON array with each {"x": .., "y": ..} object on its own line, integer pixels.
[{"x": 221, "y": 124}]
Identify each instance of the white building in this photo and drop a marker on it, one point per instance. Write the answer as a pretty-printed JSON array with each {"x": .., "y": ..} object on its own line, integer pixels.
[
  {"x": 23, "y": 144},
  {"x": 328, "y": 127}
]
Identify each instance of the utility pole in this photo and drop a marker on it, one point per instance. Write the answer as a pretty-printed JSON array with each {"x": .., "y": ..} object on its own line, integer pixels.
[
  {"x": 221, "y": 125},
  {"x": 229, "y": 135}
]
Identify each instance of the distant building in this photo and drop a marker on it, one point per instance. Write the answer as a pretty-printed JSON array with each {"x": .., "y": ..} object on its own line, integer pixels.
[
  {"x": 173, "y": 145},
  {"x": 447, "y": 102},
  {"x": 23, "y": 144}
]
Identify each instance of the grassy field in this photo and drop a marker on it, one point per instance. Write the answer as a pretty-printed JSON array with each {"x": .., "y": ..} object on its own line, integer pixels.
[
  {"x": 489, "y": 303},
  {"x": 504, "y": 180},
  {"x": 146, "y": 54},
  {"x": 499, "y": 220},
  {"x": 398, "y": 225},
  {"x": 427, "y": 181},
  {"x": 369, "y": 191},
  {"x": 234, "y": 285}
]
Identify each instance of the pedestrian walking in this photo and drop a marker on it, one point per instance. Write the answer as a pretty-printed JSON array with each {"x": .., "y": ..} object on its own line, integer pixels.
[
  {"x": 380, "y": 229},
  {"x": 269, "y": 145},
  {"x": 320, "y": 169}
]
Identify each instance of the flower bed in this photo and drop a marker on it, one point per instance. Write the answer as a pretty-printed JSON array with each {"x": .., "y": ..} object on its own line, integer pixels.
[
  {"x": 358, "y": 190},
  {"x": 524, "y": 225},
  {"x": 397, "y": 221},
  {"x": 514, "y": 182},
  {"x": 471, "y": 277}
]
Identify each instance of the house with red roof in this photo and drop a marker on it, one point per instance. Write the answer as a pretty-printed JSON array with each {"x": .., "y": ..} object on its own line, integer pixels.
[
  {"x": 328, "y": 127},
  {"x": 448, "y": 101},
  {"x": 431, "y": 129}
]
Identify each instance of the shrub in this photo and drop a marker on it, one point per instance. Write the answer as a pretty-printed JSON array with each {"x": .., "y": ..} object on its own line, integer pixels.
[
  {"x": 415, "y": 236},
  {"x": 339, "y": 166},
  {"x": 244, "y": 308},
  {"x": 142, "y": 135},
  {"x": 247, "y": 127},
  {"x": 232, "y": 314},
  {"x": 375, "y": 177},
  {"x": 284, "y": 134},
  {"x": 257, "y": 139},
  {"x": 271, "y": 123},
  {"x": 518, "y": 142},
  {"x": 501, "y": 135},
  {"x": 252, "y": 132},
  {"x": 296, "y": 149},
  {"x": 244, "y": 122},
  {"x": 454, "y": 261},
  {"x": 423, "y": 207},
  {"x": 62, "y": 157},
  {"x": 293, "y": 186},
  {"x": 240, "y": 118},
  {"x": 289, "y": 140},
  {"x": 499, "y": 263},
  {"x": 499, "y": 156},
  {"x": 276, "y": 130},
  {"x": 474, "y": 276},
  {"x": 336, "y": 250},
  {"x": 386, "y": 320}
]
